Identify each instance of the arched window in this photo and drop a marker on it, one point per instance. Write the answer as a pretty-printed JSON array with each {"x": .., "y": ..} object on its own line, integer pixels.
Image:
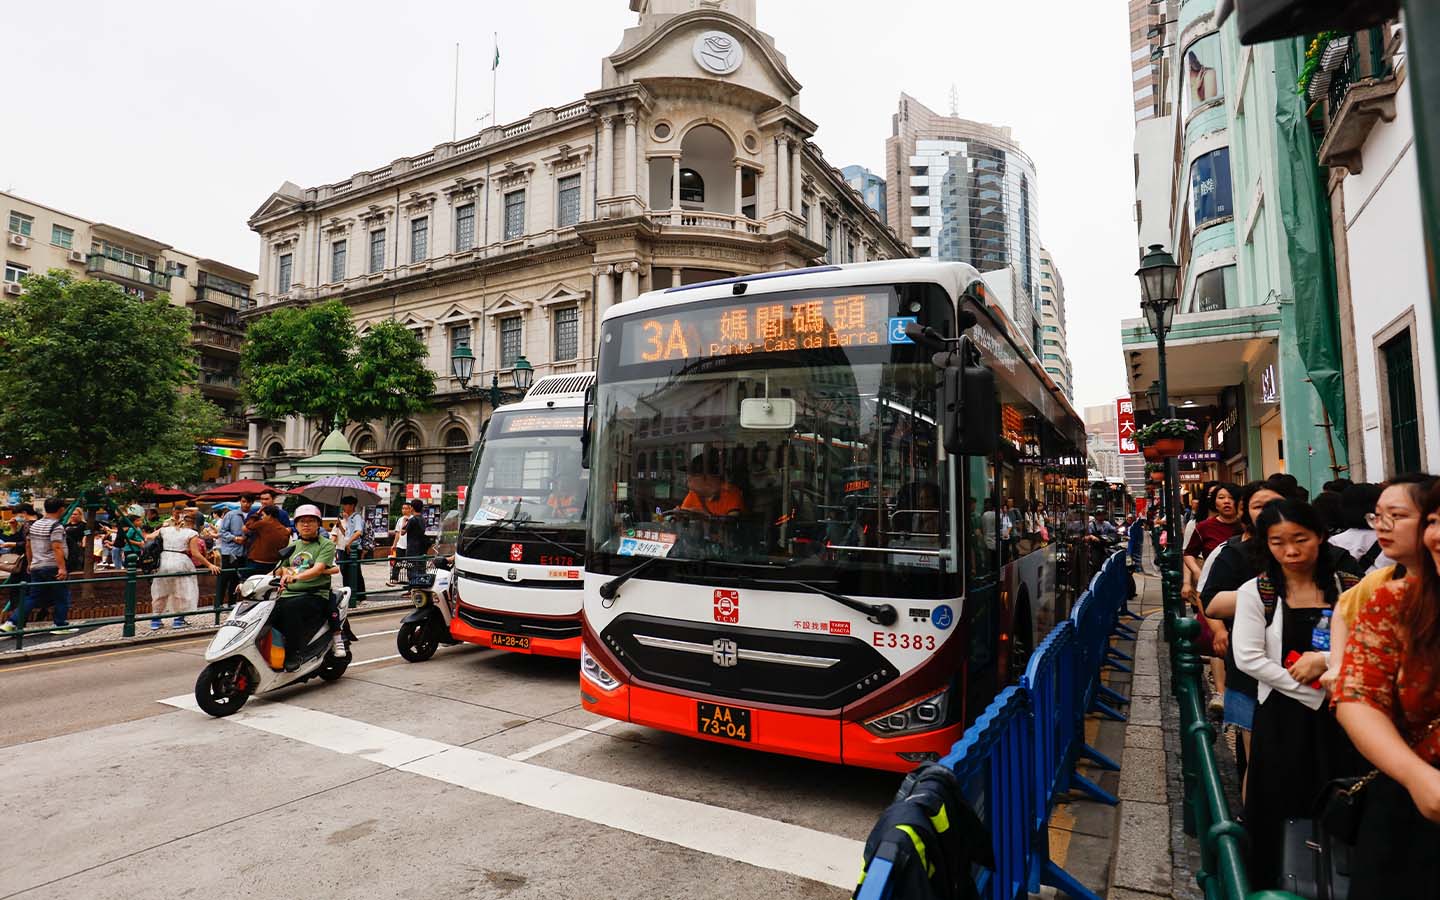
[
  {"x": 457, "y": 462},
  {"x": 408, "y": 440},
  {"x": 365, "y": 444},
  {"x": 692, "y": 186},
  {"x": 275, "y": 451},
  {"x": 408, "y": 463}
]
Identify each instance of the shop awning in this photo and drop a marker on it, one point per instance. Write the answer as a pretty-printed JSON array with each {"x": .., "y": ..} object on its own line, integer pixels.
[{"x": 1204, "y": 352}]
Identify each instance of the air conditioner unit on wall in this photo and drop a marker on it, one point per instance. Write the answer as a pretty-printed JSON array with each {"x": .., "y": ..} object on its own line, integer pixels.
[
  {"x": 19, "y": 240},
  {"x": 13, "y": 289},
  {"x": 77, "y": 256}
]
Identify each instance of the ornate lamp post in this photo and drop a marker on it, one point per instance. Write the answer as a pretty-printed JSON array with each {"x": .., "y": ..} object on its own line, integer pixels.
[
  {"x": 1159, "y": 296},
  {"x": 521, "y": 375}
]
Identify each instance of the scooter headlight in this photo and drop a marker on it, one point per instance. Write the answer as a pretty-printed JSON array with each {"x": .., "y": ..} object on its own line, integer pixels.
[{"x": 420, "y": 599}]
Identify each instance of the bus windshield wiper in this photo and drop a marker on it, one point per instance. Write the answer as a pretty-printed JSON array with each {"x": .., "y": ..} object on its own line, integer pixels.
[
  {"x": 609, "y": 589},
  {"x": 879, "y": 613}
]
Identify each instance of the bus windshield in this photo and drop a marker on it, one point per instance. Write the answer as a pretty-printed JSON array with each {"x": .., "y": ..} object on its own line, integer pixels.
[
  {"x": 529, "y": 470},
  {"x": 855, "y": 493}
]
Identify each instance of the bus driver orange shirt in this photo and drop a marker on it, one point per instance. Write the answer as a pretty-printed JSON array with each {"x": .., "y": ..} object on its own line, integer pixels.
[{"x": 713, "y": 497}]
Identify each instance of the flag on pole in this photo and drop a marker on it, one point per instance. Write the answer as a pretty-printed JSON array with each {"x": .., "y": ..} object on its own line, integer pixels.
[{"x": 496, "y": 64}]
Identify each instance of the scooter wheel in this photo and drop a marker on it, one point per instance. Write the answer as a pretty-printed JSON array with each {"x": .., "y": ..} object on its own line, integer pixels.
[
  {"x": 415, "y": 642},
  {"x": 216, "y": 692},
  {"x": 334, "y": 667}
]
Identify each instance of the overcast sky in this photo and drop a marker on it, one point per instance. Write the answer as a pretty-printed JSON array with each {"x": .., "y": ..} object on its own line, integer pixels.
[{"x": 177, "y": 119}]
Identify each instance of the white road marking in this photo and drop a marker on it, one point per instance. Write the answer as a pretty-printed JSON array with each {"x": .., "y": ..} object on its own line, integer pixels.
[
  {"x": 378, "y": 633},
  {"x": 564, "y": 739},
  {"x": 375, "y": 660},
  {"x": 726, "y": 833}
]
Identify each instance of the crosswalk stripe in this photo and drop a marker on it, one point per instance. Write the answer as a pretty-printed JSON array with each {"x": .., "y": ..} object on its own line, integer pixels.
[{"x": 726, "y": 833}]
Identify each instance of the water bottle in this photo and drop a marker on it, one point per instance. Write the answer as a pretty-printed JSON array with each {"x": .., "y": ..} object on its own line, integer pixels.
[{"x": 1320, "y": 636}]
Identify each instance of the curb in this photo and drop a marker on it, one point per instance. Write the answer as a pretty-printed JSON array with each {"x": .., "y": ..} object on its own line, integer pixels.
[{"x": 39, "y": 653}]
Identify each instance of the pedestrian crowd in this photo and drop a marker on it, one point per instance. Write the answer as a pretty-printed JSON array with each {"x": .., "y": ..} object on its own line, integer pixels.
[
  {"x": 38, "y": 553},
  {"x": 1321, "y": 619}
]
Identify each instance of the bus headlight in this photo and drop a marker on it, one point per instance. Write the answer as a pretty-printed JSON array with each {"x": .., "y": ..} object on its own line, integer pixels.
[
  {"x": 924, "y": 714},
  {"x": 592, "y": 671}
]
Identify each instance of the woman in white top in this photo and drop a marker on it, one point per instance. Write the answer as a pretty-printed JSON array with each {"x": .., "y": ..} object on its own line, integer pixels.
[
  {"x": 177, "y": 589},
  {"x": 1281, "y": 639}
]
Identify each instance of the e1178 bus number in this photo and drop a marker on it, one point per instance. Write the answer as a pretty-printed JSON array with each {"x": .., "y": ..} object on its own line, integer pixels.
[{"x": 904, "y": 641}]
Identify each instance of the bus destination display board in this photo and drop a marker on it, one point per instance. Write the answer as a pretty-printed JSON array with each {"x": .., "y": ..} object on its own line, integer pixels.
[
  {"x": 763, "y": 326},
  {"x": 521, "y": 423}
]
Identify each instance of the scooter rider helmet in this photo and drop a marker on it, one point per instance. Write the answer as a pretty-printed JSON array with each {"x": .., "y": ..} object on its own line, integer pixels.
[{"x": 309, "y": 509}]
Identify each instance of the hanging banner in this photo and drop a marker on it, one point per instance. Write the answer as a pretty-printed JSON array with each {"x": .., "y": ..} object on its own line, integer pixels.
[
  {"x": 382, "y": 488},
  {"x": 222, "y": 452},
  {"x": 430, "y": 493},
  {"x": 1125, "y": 426},
  {"x": 460, "y": 492}
]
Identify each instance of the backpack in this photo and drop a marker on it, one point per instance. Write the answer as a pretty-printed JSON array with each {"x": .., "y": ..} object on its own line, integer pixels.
[
  {"x": 931, "y": 837},
  {"x": 1270, "y": 597},
  {"x": 148, "y": 562}
]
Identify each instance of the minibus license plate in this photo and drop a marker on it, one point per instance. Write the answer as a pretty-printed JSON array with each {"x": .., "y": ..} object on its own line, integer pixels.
[
  {"x": 510, "y": 641},
  {"x": 729, "y": 722}
]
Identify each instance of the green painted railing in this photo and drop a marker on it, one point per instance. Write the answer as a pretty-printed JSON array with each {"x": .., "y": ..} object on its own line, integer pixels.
[
  {"x": 1223, "y": 841},
  {"x": 130, "y": 579}
]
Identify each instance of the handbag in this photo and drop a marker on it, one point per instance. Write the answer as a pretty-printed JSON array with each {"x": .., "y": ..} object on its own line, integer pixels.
[
  {"x": 10, "y": 563},
  {"x": 1342, "y": 801}
]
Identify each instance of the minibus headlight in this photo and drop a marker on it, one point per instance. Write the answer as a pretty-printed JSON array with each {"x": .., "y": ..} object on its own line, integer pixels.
[
  {"x": 925, "y": 714},
  {"x": 592, "y": 671}
]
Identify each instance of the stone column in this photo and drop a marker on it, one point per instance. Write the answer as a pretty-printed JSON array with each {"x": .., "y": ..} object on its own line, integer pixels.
[
  {"x": 739, "y": 188},
  {"x": 675, "y": 183},
  {"x": 607, "y": 156},
  {"x": 604, "y": 289},
  {"x": 796, "y": 181},
  {"x": 630, "y": 281},
  {"x": 630, "y": 151},
  {"x": 252, "y": 439},
  {"x": 675, "y": 276},
  {"x": 782, "y": 172}
]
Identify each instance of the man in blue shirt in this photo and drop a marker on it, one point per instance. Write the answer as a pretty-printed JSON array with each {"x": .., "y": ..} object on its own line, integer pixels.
[
  {"x": 350, "y": 531},
  {"x": 1135, "y": 534},
  {"x": 267, "y": 498},
  {"x": 232, "y": 548}
]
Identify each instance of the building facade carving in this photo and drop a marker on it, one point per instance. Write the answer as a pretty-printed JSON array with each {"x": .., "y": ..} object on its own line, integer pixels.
[{"x": 691, "y": 161}]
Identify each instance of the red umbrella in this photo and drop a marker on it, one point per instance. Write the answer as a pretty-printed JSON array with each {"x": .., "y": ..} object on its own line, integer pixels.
[
  {"x": 160, "y": 494},
  {"x": 234, "y": 489}
]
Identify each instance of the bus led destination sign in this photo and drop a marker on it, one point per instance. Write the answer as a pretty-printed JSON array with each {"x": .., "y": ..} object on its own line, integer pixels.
[{"x": 812, "y": 323}]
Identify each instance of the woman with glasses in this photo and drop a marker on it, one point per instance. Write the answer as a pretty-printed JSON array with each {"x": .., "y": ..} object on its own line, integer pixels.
[
  {"x": 1387, "y": 700},
  {"x": 1398, "y": 527}
]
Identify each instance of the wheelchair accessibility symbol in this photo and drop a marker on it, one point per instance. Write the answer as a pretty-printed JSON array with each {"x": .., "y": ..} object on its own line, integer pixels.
[
  {"x": 897, "y": 329},
  {"x": 942, "y": 617}
]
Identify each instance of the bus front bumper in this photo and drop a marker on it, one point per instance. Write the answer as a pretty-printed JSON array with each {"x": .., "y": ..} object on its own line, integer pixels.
[{"x": 516, "y": 640}]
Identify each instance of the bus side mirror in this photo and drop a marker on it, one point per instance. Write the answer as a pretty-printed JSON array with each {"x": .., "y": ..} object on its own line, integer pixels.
[
  {"x": 585, "y": 428},
  {"x": 968, "y": 410}
]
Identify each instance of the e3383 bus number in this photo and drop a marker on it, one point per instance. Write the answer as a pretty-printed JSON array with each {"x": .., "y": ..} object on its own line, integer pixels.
[{"x": 904, "y": 641}]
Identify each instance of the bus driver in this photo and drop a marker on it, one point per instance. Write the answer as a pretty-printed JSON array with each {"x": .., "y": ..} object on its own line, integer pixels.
[{"x": 709, "y": 493}]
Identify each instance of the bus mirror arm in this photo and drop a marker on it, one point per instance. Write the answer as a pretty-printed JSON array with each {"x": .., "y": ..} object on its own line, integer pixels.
[{"x": 585, "y": 428}]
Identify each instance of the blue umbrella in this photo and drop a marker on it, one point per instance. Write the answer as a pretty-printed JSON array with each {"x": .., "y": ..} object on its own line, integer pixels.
[{"x": 331, "y": 488}]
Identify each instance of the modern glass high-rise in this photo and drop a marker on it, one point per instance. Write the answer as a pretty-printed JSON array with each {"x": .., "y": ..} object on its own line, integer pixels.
[
  {"x": 870, "y": 186},
  {"x": 964, "y": 191}
]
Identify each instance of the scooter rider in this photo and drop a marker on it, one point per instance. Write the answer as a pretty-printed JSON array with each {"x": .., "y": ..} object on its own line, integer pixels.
[{"x": 305, "y": 602}]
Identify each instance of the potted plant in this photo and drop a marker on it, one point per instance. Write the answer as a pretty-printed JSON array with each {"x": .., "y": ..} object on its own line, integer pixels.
[
  {"x": 1167, "y": 436},
  {"x": 1156, "y": 471},
  {"x": 1151, "y": 452}
]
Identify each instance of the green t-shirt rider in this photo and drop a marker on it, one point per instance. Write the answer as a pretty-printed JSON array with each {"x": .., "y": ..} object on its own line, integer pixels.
[{"x": 305, "y": 601}]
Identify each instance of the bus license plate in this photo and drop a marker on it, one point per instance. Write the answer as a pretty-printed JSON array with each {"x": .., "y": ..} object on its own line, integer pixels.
[
  {"x": 510, "y": 641},
  {"x": 729, "y": 722}
]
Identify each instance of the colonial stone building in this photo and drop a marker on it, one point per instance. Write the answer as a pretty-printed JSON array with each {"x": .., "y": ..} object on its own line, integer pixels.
[{"x": 690, "y": 162}]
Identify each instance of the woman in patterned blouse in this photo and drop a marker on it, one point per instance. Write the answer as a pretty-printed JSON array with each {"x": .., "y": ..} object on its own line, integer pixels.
[{"x": 1388, "y": 699}]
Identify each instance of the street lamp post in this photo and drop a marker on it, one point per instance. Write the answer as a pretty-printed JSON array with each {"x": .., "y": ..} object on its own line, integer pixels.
[
  {"x": 522, "y": 375},
  {"x": 1159, "y": 296}
]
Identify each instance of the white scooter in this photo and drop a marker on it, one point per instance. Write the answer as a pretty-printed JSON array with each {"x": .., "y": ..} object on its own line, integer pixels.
[
  {"x": 242, "y": 658},
  {"x": 424, "y": 630}
]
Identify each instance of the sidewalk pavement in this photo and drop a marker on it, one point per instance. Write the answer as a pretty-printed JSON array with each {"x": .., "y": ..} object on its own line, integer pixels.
[
  {"x": 1154, "y": 858},
  {"x": 102, "y": 637}
]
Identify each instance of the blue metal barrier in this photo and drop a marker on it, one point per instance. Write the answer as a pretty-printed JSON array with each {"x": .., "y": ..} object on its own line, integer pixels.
[{"x": 1018, "y": 759}]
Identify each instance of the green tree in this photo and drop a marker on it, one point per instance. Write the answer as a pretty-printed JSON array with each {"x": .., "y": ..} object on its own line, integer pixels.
[
  {"x": 96, "y": 385},
  {"x": 310, "y": 362}
]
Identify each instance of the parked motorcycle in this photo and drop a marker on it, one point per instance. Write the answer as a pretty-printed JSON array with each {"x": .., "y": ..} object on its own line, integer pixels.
[
  {"x": 424, "y": 630},
  {"x": 244, "y": 660}
]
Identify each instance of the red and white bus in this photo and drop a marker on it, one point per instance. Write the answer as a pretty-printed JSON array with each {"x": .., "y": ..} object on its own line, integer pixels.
[
  {"x": 783, "y": 554},
  {"x": 521, "y": 547}
]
